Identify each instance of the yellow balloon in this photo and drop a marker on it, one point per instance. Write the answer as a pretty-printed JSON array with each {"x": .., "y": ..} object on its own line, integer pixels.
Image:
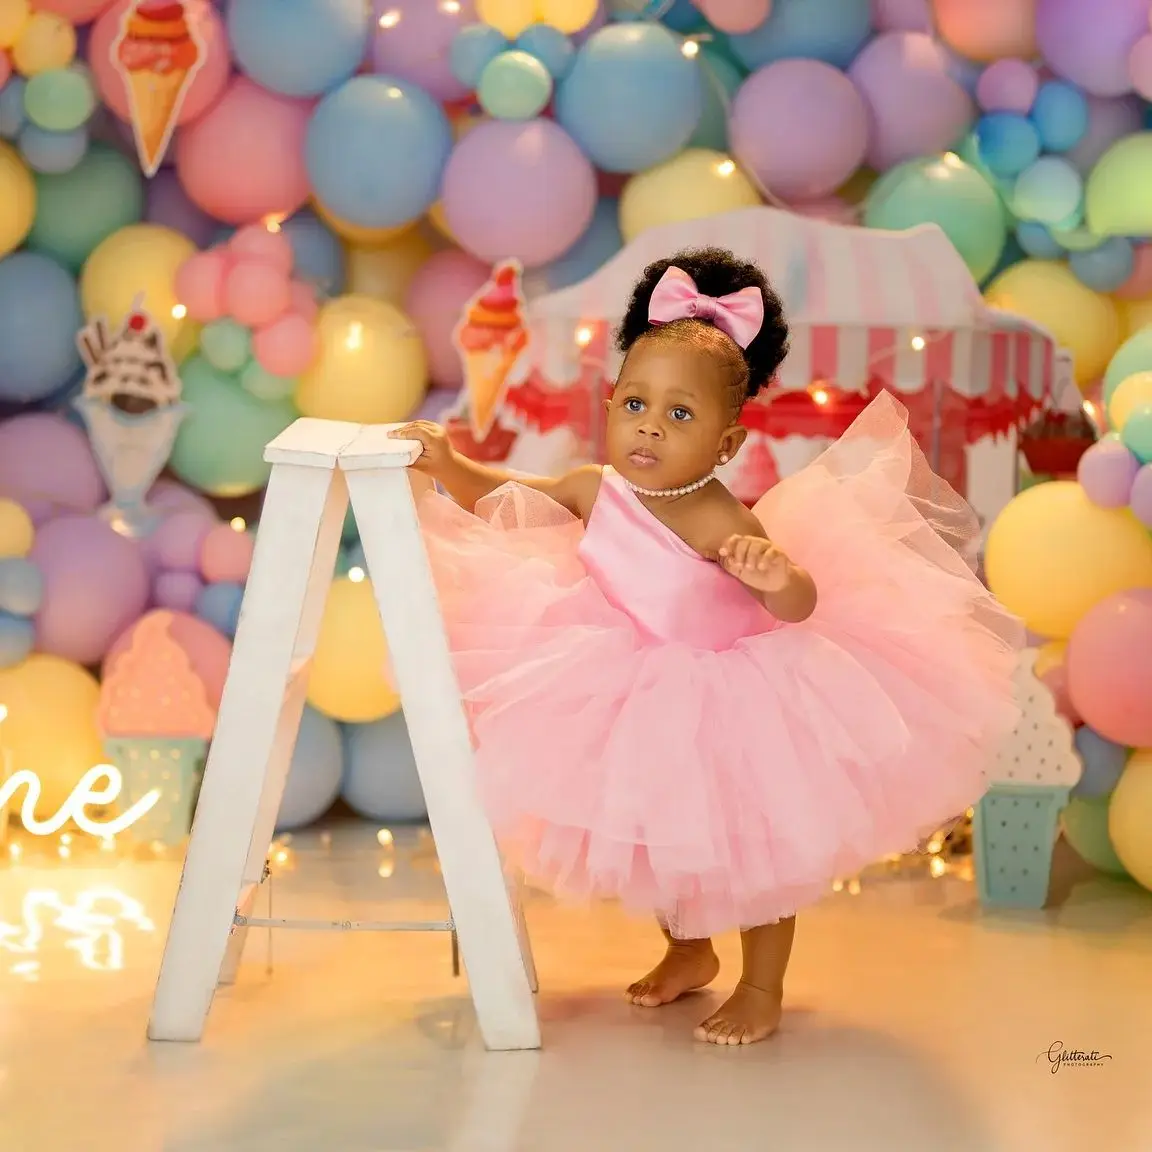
[
  {"x": 137, "y": 265},
  {"x": 567, "y": 15},
  {"x": 385, "y": 273},
  {"x": 349, "y": 679},
  {"x": 1081, "y": 320},
  {"x": 47, "y": 41},
  {"x": 371, "y": 368},
  {"x": 355, "y": 234},
  {"x": 1132, "y": 392},
  {"x": 1130, "y": 817},
  {"x": 1050, "y": 655},
  {"x": 1134, "y": 315},
  {"x": 16, "y": 530},
  {"x": 51, "y": 727},
  {"x": 13, "y": 16},
  {"x": 695, "y": 183},
  {"x": 17, "y": 199},
  {"x": 1052, "y": 554},
  {"x": 508, "y": 16}
]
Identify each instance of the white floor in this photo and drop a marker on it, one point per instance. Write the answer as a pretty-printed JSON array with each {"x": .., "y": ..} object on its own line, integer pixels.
[{"x": 916, "y": 1024}]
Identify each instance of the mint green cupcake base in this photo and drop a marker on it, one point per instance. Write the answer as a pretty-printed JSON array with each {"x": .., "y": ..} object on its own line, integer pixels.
[
  {"x": 1013, "y": 832},
  {"x": 170, "y": 764}
]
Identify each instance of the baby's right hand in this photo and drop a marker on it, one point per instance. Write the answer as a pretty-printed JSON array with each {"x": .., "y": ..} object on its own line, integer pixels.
[{"x": 438, "y": 453}]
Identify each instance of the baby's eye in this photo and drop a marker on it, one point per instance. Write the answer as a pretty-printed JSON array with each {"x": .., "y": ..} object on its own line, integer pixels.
[
  {"x": 680, "y": 414},
  {"x": 632, "y": 404}
]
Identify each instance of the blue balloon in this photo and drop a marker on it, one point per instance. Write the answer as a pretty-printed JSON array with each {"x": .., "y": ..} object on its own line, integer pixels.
[
  {"x": 632, "y": 97},
  {"x": 1105, "y": 267},
  {"x": 1050, "y": 190},
  {"x": 679, "y": 15},
  {"x": 1136, "y": 435},
  {"x": 1037, "y": 241},
  {"x": 1060, "y": 113},
  {"x": 298, "y": 47},
  {"x": 600, "y": 242},
  {"x": 380, "y": 778},
  {"x": 219, "y": 605},
  {"x": 39, "y": 318},
  {"x": 550, "y": 46},
  {"x": 1103, "y": 762},
  {"x": 315, "y": 774},
  {"x": 318, "y": 251},
  {"x": 1008, "y": 143},
  {"x": 21, "y": 586},
  {"x": 12, "y": 117},
  {"x": 17, "y": 636},
  {"x": 720, "y": 79},
  {"x": 829, "y": 30},
  {"x": 52, "y": 153},
  {"x": 376, "y": 150},
  {"x": 473, "y": 48}
]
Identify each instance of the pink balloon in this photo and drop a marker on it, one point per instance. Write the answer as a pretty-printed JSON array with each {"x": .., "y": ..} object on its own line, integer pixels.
[
  {"x": 303, "y": 300},
  {"x": 1139, "y": 284},
  {"x": 1008, "y": 86},
  {"x": 206, "y": 85},
  {"x": 226, "y": 555},
  {"x": 175, "y": 545},
  {"x": 200, "y": 284},
  {"x": 436, "y": 297},
  {"x": 244, "y": 159},
  {"x": 1108, "y": 121},
  {"x": 1140, "y": 66},
  {"x": 5, "y": 67},
  {"x": 286, "y": 347},
  {"x": 74, "y": 11},
  {"x": 172, "y": 496},
  {"x": 901, "y": 15},
  {"x": 256, "y": 293},
  {"x": 1110, "y": 667},
  {"x": 1056, "y": 681},
  {"x": 177, "y": 590},
  {"x": 255, "y": 242},
  {"x": 735, "y": 16}
]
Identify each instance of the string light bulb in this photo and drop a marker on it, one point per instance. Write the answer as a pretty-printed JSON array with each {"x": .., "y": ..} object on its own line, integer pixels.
[
  {"x": 917, "y": 343},
  {"x": 238, "y": 524},
  {"x": 179, "y": 312},
  {"x": 356, "y": 575},
  {"x": 385, "y": 838},
  {"x": 583, "y": 336},
  {"x": 690, "y": 49}
]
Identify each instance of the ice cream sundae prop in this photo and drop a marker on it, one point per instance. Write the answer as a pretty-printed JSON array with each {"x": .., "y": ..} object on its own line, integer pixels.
[
  {"x": 158, "y": 52},
  {"x": 1015, "y": 824},
  {"x": 131, "y": 405},
  {"x": 490, "y": 338},
  {"x": 156, "y": 718}
]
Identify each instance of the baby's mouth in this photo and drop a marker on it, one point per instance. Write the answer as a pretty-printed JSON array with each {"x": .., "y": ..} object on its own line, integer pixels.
[{"x": 642, "y": 458}]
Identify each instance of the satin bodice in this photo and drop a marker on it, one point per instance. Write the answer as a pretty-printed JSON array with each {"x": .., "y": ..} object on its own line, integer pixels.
[{"x": 669, "y": 590}]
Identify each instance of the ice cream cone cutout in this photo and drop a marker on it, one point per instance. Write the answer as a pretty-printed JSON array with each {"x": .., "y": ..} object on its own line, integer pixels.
[
  {"x": 490, "y": 338},
  {"x": 158, "y": 52}
]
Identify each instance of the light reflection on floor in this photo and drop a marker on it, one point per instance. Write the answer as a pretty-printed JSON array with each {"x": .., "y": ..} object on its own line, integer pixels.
[{"x": 916, "y": 1024}]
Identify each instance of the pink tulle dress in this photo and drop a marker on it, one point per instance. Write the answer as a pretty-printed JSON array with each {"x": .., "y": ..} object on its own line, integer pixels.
[{"x": 645, "y": 730}]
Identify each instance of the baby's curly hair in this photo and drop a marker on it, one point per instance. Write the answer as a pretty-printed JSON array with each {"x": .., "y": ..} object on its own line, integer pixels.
[{"x": 717, "y": 272}]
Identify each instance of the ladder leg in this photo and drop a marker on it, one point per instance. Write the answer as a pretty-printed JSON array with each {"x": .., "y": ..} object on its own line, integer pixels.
[
  {"x": 255, "y": 734},
  {"x": 516, "y": 895}
]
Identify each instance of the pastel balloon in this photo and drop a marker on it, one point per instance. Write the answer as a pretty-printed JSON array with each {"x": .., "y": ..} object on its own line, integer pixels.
[
  {"x": 61, "y": 99},
  {"x": 175, "y": 544},
  {"x": 829, "y": 30},
  {"x": 573, "y": 15},
  {"x": 387, "y": 271},
  {"x": 303, "y": 300},
  {"x": 1103, "y": 762},
  {"x": 1134, "y": 355},
  {"x": 315, "y": 772},
  {"x": 412, "y": 40},
  {"x": 16, "y": 530},
  {"x": 735, "y": 16},
  {"x": 1105, "y": 266},
  {"x": 168, "y": 204},
  {"x": 287, "y": 346},
  {"x": 1140, "y": 499},
  {"x": 257, "y": 242},
  {"x": 1114, "y": 205},
  {"x": 47, "y": 466},
  {"x": 317, "y": 256},
  {"x": 1132, "y": 393},
  {"x": 226, "y": 555},
  {"x": 473, "y": 48},
  {"x": 435, "y": 301},
  {"x": 810, "y": 152},
  {"x": 206, "y": 86},
  {"x": 1136, "y": 435},
  {"x": 355, "y": 233},
  {"x": 591, "y": 252},
  {"x": 1106, "y": 472},
  {"x": 17, "y": 199},
  {"x": 52, "y": 153},
  {"x": 1060, "y": 114},
  {"x": 176, "y": 590},
  {"x": 1139, "y": 282},
  {"x": 514, "y": 86},
  {"x": 45, "y": 42},
  {"x": 1008, "y": 143},
  {"x": 243, "y": 160},
  {"x": 74, "y": 11},
  {"x": 548, "y": 44},
  {"x": 987, "y": 29},
  {"x": 1084, "y": 823},
  {"x": 510, "y": 17},
  {"x": 1008, "y": 85},
  {"x": 219, "y": 605},
  {"x": 1056, "y": 681},
  {"x": 371, "y": 367},
  {"x": 258, "y": 382},
  {"x": 1110, "y": 667},
  {"x": 1109, "y": 120},
  {"x": 256, "y": 292},
  {"x": 21, "y": 586},
  {"x": 199, "y": 284},
  {"x": 1089, "y": 43},
  {"x": 226, "y": 344},
  {"x": 394, "y": 794}
]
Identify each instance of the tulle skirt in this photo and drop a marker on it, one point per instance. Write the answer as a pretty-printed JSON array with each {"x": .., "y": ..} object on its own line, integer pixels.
[{"x": 727, "y": 789}]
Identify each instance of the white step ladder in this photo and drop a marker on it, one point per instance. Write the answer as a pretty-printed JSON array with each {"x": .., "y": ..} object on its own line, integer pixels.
[{"x": 316, "y": 466}]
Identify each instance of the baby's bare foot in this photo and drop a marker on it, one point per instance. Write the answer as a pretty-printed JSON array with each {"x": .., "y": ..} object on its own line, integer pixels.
[
  {"x": 748, "y": 1015},
  {"x": 687, "y": 965}
]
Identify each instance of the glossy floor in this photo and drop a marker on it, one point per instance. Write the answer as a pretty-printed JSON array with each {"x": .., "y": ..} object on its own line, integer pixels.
[{"x": 915, "y": 1024}]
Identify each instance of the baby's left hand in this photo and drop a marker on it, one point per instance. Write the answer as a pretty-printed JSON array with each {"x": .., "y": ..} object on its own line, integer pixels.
[{"x": 756, "y": 562}]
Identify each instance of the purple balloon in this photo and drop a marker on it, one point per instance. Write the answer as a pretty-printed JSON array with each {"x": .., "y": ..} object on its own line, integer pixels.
[
  {"x": 414, "y": 40},
  {"x": 916, "y": 107},
  {"x": 1108, "y": 121},
  {"x": 175, "y": 545},
  {"x": 1106, "y": 472},
  {"x": 902, "y": 15},
  {"x": 810, "y": 152},
  {"x": 168, "y": 204},
  {"x": 177, "y": 590},
  {"x": 95, "y": 585},
  {"x": 1088, "y": 42},
  {"x": 518, "y": 190},
  {"x": 437, "y": 404},
  {"x": 1140, "y": 499},
  {"x": 169, "y": 495},
  {"x": 1008, "y": 86},
  {"x": 46, "y": 464}
]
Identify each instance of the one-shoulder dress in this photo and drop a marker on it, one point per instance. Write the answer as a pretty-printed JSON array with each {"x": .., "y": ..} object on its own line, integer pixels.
[{"x": 646, "y": 731}]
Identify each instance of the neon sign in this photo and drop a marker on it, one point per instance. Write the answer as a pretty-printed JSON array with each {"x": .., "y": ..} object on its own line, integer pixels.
[{"x": 98, "y": 787}]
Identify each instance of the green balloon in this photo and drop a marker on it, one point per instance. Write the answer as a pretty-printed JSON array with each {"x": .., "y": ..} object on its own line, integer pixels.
[
  {"x": 225, "y": 344},
  {"x": 220, "y": 446},
  {"x": 1116, "y": 199},
  {"x": 60, "y": 100},
  {"x": 77, "y": 210},
  {"x": 262, "y": 384},
  {"x": 1085, "y": 824},
  {"x": 949, "y": 193},
  {"x": 1134, "y": 355},
  {"x": 720, "y": 78}
]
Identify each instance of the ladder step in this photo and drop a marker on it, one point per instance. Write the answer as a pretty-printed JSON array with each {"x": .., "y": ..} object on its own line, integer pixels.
[{"x": 241, "y": 921}]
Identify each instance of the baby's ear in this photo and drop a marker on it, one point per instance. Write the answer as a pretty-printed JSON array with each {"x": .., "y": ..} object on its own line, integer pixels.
[{"x": 732, "y": 440}]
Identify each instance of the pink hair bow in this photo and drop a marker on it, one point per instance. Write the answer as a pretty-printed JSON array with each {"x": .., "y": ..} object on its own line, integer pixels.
[{"x": 676, "y": 297}]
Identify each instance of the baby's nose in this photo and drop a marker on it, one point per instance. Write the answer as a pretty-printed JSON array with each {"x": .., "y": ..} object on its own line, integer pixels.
[{"x": 651, "y": 428}]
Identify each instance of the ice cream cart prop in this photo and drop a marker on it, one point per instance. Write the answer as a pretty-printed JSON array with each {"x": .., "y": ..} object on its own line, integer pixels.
[{"x": 869, "y": 310}]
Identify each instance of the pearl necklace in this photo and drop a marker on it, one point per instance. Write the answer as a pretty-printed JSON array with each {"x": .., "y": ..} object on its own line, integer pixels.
[{"x": 695, "y": 486}]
